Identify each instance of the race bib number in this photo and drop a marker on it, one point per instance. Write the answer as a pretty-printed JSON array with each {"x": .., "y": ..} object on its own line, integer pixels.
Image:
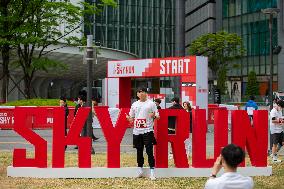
[{"x": 140, "y": 123}]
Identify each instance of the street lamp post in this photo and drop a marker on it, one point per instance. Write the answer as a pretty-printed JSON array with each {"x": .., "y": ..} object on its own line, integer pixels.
[
  {"x": 271, "y": 12},
  {"x": 89, "y": 60}
]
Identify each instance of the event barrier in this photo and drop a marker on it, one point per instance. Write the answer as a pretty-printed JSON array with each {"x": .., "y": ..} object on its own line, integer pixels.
[
  {"x": 7, "y": 118},
  {"x": 213, "y": 107},
  {"x": 230, "y": 108}
]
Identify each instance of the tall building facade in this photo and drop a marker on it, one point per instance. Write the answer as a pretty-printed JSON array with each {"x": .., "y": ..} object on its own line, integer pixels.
[
  {"x": 145, "y": 28},
  {"x": 245, "y": 18},
  {"x": 148, "y": 29},
  {"x": 200, "y": 19},
  {"x": 280, "y": 34}
]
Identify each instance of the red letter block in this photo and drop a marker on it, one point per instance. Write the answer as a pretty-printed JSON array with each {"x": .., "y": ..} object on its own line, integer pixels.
[
  {"x": 21, "y": 126},
  {"x": 253, "y": 138},
  {"x": 199, "y": 140},
  {"x": 113, "y": 134},
  {"x": 73, "y": 138},
  {"x": 199, "y": 159},
  {"x": 220, "y": 131},
  {"x": 176, "y": 140}
]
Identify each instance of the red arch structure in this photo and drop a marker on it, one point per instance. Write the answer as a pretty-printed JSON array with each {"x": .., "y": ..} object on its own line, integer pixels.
[{"x": 193, "y": 71}]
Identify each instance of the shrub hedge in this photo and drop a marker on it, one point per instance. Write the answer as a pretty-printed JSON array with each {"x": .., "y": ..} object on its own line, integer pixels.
[{"x": 36, "y": 102}]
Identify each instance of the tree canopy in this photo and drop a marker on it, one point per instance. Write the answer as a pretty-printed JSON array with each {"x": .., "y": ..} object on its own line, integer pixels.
[
  {"x": 220, "y": 48},
  {"x": 12, "y": 16},
  {"x": 46, "y": 23},
  {"x": 252, "y": 86}
]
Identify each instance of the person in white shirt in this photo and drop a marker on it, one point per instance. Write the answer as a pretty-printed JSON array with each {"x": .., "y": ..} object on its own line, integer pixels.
[
  {"x": 231, "y": 156},
  {"x": 142, "y": 115},
  {"x": 276, "y": 129}
]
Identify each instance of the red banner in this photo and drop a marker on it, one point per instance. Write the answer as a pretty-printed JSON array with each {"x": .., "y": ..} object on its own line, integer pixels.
[{"x": 42, "y": 122}]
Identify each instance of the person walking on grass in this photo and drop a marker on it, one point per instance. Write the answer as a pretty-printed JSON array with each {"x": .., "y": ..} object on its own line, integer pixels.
[
  {"x": 142, "y": 114},
  {"x": 276, "y": 129}
]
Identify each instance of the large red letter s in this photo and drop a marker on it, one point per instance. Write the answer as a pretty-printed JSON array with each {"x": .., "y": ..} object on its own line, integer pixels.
[{"x": 21, "y": 126}]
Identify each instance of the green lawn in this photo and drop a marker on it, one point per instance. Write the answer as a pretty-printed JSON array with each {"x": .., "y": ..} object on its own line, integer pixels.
[{"x": 127, "y": 160}]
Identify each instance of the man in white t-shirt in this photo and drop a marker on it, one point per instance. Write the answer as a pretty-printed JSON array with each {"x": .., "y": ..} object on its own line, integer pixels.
[
  {"x": 142, "y": 115},
  {"x": 231, "y": 156},
  {"x": 276, "y": 128}
]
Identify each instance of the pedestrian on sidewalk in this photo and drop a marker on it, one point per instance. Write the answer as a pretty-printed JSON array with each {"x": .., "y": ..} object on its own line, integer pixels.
[
  {"x": 276, "y": 129},
  {"x": 250, "y": 107},
  {"x": 188, "y": 144},
  {"x": 95, "y": 102},
  {"x": 158, "y": 102},
  {"x": 172, "y": 119},
  {"x": 63, "y": 103}
]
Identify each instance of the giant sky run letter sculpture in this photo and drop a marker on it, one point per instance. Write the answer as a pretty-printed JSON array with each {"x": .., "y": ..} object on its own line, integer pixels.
[{"x": 253, "y": 139}]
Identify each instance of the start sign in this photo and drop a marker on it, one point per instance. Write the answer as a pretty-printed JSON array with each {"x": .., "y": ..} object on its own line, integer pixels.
[{"x": 192, "y": 70}]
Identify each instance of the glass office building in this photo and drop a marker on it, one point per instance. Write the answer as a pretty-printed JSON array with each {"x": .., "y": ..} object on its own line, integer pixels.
[
  {"x": 144, "y": 28},
  {"x": 245, "y": 18}
]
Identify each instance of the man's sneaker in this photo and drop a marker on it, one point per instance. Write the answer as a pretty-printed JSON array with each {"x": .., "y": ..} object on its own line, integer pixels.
[
  {"x": 95, "y": 138},
  {"x": 276, "y": 160},
  {"x": 152, "y": 174},
  {"x": 140, "y": 172}
]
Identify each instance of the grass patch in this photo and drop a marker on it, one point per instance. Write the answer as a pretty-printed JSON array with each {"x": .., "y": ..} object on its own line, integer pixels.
[
  {"x": 36, "y": 102},
  {"x": 127, "y": 160}
]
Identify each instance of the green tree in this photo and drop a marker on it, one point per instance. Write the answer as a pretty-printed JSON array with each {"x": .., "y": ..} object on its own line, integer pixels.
[
  {"x": 222, "y": 76},
  {"x": 220, "y": 48},
  {"x": 12, "y": 16},
  {"x": 49, "y": 24},
  {"x": 252, "y": 86}
]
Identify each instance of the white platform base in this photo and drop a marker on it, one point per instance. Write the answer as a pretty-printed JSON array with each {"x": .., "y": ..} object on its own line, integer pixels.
[{"x": 130, "y": 172}]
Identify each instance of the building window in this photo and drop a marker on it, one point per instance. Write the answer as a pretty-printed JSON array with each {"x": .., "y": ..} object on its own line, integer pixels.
[{"x": 145, "y": 28}]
